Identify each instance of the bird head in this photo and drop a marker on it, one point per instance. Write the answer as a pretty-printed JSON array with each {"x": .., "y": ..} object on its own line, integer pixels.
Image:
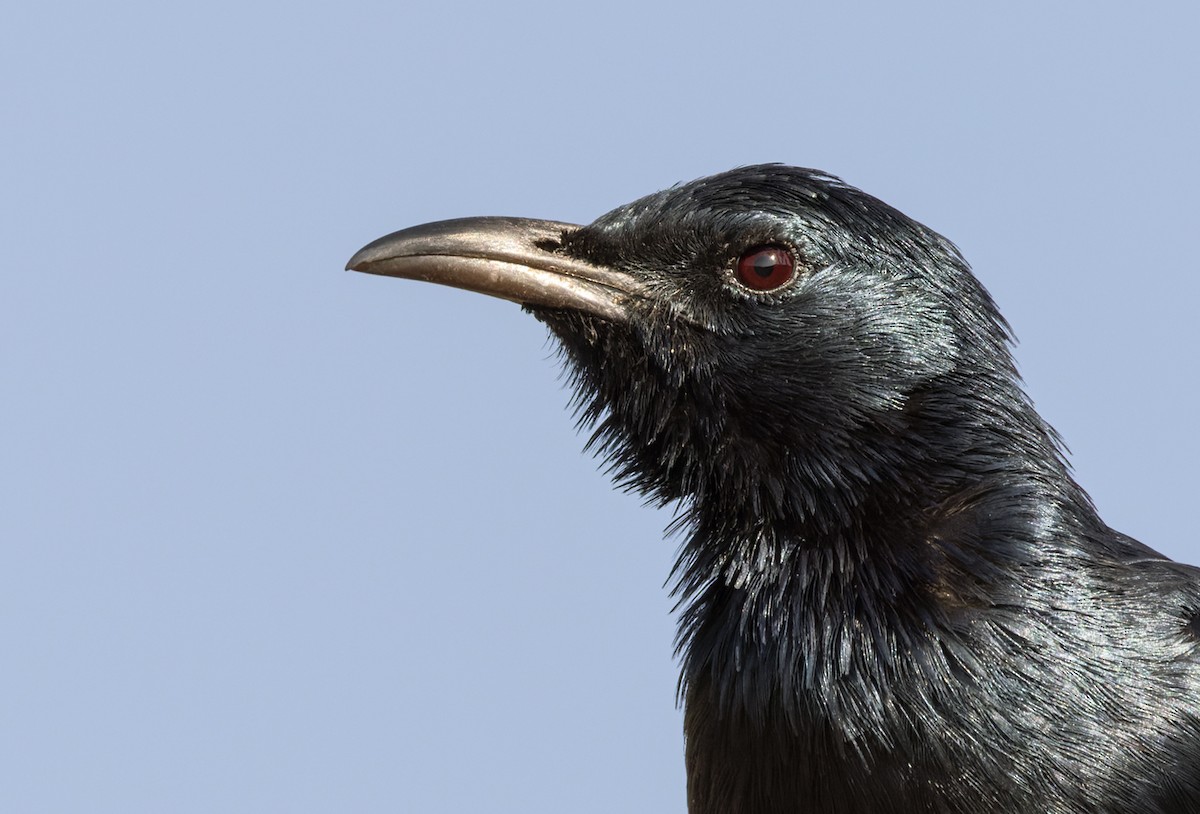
[{"x": 768, "y": 342}]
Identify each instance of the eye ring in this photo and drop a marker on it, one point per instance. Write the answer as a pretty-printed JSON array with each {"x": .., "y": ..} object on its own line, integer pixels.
[{"x": 765, "y": 268}]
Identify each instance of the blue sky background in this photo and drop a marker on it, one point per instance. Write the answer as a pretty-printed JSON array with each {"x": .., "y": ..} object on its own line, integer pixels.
[{"x": 276, "y": 537}]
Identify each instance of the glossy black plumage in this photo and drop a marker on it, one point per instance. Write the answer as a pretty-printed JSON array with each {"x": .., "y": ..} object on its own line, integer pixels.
[{"x": 893, "y": 595}]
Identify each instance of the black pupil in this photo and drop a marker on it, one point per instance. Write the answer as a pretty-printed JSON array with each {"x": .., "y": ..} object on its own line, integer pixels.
[{"x": 765, "y": 263}]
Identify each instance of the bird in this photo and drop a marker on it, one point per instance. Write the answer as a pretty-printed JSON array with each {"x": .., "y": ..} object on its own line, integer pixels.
[{"x": 893, "y": 594}]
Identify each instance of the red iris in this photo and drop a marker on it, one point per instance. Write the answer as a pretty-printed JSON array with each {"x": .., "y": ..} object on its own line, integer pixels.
[{"x": 766, "y": 268}]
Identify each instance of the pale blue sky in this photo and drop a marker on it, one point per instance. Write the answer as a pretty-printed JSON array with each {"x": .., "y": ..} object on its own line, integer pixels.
[{"x": 275, "y": 537}]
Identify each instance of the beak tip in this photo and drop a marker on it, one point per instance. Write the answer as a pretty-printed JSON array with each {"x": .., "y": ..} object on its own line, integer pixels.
[{"x": 362, "y": 258}]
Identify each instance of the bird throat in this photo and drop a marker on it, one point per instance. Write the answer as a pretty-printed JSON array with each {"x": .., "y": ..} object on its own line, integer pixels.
[{"x": 815, "y": 649}]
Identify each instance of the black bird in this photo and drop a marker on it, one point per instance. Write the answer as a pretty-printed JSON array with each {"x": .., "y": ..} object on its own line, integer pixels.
[{"x": 894, "y": 596}]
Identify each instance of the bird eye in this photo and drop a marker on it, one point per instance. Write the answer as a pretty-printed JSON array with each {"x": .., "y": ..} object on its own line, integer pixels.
[{"x": 766, "y": 268}]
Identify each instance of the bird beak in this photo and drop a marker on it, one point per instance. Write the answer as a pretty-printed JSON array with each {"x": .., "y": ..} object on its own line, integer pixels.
[{"x": 512, "y": 258}]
